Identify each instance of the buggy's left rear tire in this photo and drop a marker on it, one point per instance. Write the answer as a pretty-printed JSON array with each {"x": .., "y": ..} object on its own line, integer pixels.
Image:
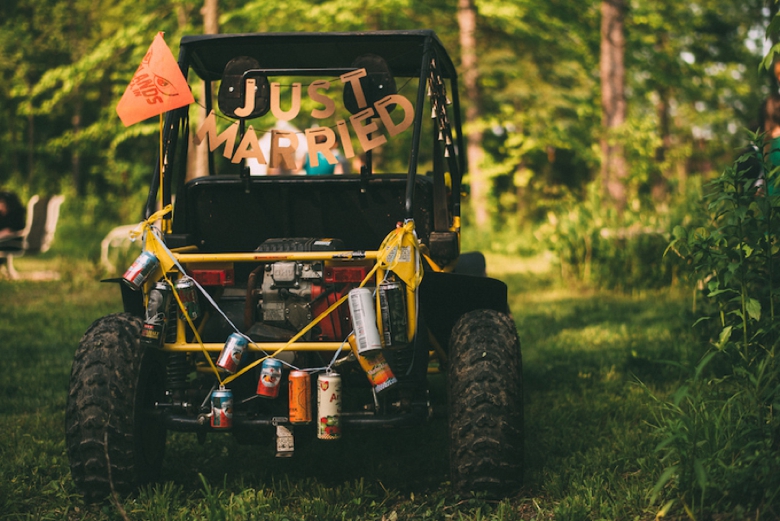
[
  {"x": 113, "y": 443},
  {"x": 485, "y": 395}
]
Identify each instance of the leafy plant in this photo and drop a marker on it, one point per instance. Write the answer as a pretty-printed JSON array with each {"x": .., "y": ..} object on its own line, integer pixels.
[
  {"x": 720, "y": 432},
  {"x": 597, "y": 246}
]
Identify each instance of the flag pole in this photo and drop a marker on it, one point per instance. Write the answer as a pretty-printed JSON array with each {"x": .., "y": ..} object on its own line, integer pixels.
[{"x": 163, "y": 225}]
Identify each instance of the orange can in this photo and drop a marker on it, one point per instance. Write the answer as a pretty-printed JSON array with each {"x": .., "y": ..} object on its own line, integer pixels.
[
  {"x": 376, "y": 368},
  {"x": 300, "y": 397}
]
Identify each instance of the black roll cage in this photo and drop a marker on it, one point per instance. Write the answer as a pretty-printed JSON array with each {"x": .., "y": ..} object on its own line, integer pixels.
[{"x": 416, "y": 53}]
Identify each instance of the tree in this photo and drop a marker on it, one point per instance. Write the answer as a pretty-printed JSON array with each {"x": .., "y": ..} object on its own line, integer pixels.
[
  {"x": 198, "y": 156},
  {"x": 689, "y": 75},
  {"x": 614, "y": 170},
  {"x": 467, "y": 23}
]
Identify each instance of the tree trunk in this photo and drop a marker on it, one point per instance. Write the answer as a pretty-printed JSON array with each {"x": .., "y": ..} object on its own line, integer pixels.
[
  {"x": 614, "y": 170},
  {"x": 198, "y": 156},
  {"x": 210, "y": 16},
  {"x": 467, "y": 22},
  {"x": 75, "y": 158},
  {"x": 660, "y": 180},
  {"x": 30, "y": 145}
]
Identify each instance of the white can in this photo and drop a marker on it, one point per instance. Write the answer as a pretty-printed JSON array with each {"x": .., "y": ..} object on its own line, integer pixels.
[
  {"x": 361, "y": 309},
  {"x": 329, "y": 406}
]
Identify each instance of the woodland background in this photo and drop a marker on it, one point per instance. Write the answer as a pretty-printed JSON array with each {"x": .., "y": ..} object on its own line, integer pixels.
[{"x": 595, "y": 117}]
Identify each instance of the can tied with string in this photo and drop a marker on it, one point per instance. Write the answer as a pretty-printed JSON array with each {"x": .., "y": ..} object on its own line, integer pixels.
[
  {"x": 231, "y": 353},
  {"x": 361, "y": 309},
  {"x": 299, "y": 387},
  {"x": 392, "y": 307},
  {"x": 329, "y": 406},
  {"x": 376, "y": 368},
  {"x": 156, "y": 321},
  {"x": 222, "y": 409},
  {"x": 270, "y": 377},
  {"x": 140, "y": 269},
  {"x": 188, "y": 294}
]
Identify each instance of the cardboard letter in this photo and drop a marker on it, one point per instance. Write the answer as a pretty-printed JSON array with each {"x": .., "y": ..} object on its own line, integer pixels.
[
  {"x": 249, "y": 99},
  {"x": 283, "y": 156},
  {"x": 321, "y": 140},
  {"x": 295, "y": 105},
  {"x": 249, "y": 147},
  {"x": 354, "y": 79},
  {"x": 384, "y": 113},
  {"x": 330, "y": 106},
  {"x": 228, "y": 136},
  {"x": 346, "y": 139},
  {"x": 367, "y": 142}
]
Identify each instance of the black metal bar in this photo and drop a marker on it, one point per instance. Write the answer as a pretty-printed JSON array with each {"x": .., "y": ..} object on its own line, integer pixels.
[
  {"x": 417, "y": 132},
  {"x": 188, "y": 423},
  {"x": 207, "y": 94},
  {"x": 457, "y": 177},
  {"x": 251, "y": 73}
]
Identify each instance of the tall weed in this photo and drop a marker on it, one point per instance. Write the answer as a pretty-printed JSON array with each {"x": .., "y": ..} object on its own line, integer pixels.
[
  {"x": 598, "y": 247},
  {"x": 720, "y": 433}
]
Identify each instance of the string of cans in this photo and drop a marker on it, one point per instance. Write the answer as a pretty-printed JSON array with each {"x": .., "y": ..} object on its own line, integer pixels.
[{"x": 365, "y": 344}]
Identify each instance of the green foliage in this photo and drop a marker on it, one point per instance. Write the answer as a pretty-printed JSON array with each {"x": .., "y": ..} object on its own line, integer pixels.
[
  {"x": 64, "y": 67},
  {"x": 85, "y": 221},
  {"x": 719, "y": 433},
  {"x": 597, "y": 247}
]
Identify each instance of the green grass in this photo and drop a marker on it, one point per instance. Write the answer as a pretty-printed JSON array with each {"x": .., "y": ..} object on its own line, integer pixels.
[{"x": 589, "y": 443}]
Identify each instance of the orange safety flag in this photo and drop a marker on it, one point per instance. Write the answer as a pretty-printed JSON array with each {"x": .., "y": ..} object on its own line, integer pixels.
[{"x": 157, "y": 86}]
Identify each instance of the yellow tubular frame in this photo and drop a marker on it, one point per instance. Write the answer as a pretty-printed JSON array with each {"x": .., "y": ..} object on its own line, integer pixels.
[{"x": 187, "y": 258}]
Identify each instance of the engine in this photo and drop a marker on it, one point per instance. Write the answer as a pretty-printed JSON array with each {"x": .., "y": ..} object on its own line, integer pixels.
[{"x": 283, "y": 297}]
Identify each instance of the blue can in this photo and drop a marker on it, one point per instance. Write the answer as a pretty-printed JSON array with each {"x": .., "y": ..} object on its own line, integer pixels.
[
  {"x": 222, "y": 409},
  {"x": 139, "y": 271},
  {"x": 270, "y": 376}
]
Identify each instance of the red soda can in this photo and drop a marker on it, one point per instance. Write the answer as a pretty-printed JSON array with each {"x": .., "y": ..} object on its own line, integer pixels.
[
  {"x": 222, "y": 409},
  {"x": 270, "y": 377},
  {"x": 140, "y": 270},
  {"x": 329, "y": 406},
  {"x": 299, "y": 386},
  {"x": 188, "y": 295},
  {"x": 231, "y": 353}
]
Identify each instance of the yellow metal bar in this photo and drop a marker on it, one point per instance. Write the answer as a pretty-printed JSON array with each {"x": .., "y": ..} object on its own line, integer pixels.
[
  {"x": 267, "y": 346},
  {"x": 185, "y": 249},
  {"x": 273, "y": 257}
]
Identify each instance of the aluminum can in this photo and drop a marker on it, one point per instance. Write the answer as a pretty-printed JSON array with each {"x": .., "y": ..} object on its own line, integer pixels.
[
  {"x": 188, "y": 294},
  {"x": 329, "y": 406},
  {"x": 139, "y": 270},
  {"x": 392, "y": 306},
  {"x": 222, "y": 409},
  {"x": 231, "y": 353},
  {"x": 156, "y": 321},
  {"x": 299, "y": 387},
  {"x": 361, "y": 309},
  {"x": 377, "y": 369},
  {"x": 270, "y": 377}
]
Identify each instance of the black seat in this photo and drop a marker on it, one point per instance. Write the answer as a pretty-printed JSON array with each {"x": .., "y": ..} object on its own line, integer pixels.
[{"x": 221, "y": 215}]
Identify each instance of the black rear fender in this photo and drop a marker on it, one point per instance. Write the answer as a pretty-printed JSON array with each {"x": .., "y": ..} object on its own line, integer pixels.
[{"x": 445, "y": 297}]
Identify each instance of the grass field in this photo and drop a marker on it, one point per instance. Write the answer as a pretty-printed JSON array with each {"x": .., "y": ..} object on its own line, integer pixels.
[{"x": 589, "y": 447}]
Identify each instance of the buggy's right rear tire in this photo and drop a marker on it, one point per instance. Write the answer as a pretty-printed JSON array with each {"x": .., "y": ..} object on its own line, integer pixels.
[
  {"x": 113, "y": 443},
  {"x": 485, "y": 395}
]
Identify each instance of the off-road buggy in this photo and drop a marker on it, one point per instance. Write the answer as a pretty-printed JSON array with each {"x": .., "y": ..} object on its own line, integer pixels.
[{"x": 275, "y": 260}]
